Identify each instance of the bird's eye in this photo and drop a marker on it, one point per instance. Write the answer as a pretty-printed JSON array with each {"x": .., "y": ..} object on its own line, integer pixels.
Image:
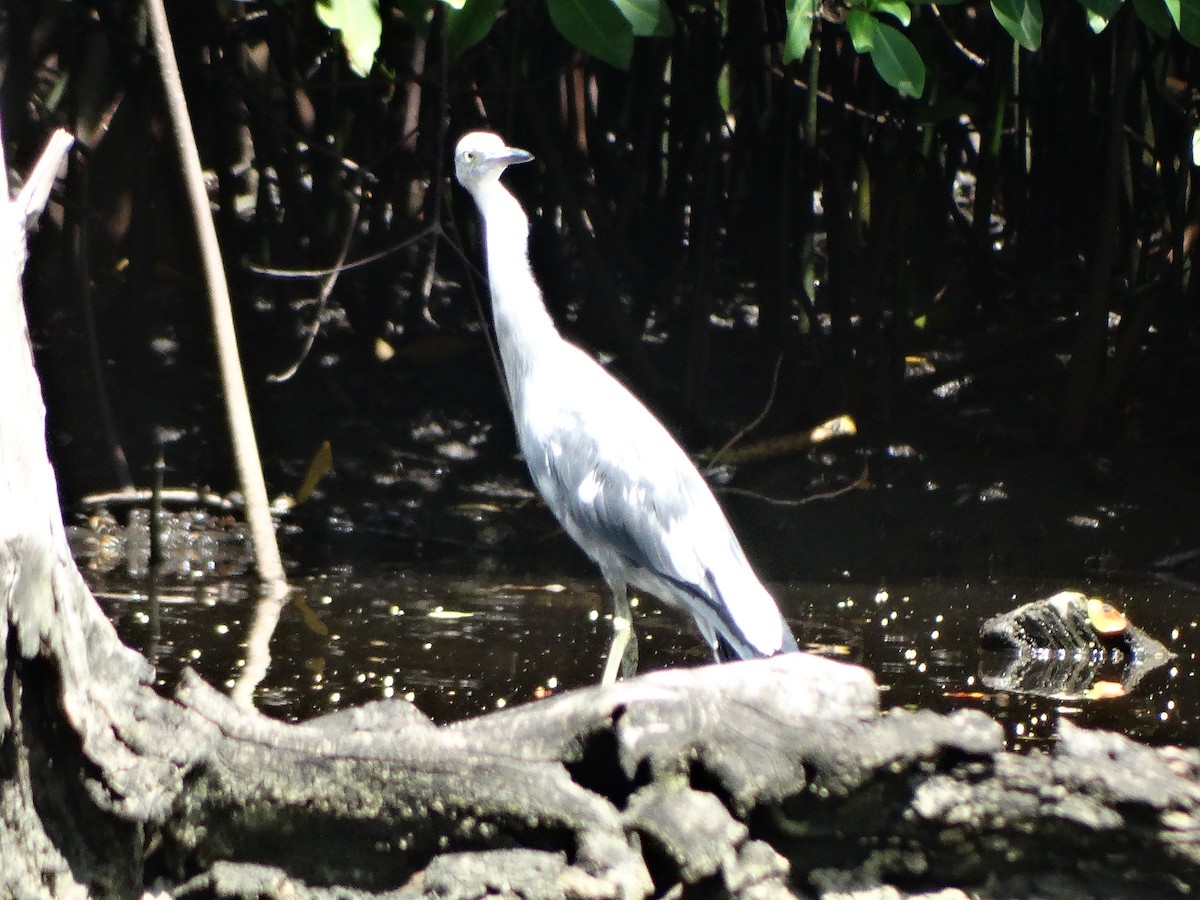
[{"x": 469, "y": 156}]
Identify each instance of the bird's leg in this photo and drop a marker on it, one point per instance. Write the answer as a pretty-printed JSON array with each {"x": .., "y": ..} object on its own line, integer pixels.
[
  {"x": 629, "y": 658},
  {"x": 623, "y": 652},
  {"x": 710, "y": 636}
]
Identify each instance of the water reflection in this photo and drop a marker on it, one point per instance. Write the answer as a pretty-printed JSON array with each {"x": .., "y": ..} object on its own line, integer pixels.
[{"x": 459, "y": 646}]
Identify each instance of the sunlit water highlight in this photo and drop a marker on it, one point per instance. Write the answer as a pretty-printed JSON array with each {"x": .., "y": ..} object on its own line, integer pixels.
[{"x": 457, "y": 647}]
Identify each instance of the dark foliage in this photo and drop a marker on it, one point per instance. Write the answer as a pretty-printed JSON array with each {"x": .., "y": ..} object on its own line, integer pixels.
[{"x": 1027, "y": 225}]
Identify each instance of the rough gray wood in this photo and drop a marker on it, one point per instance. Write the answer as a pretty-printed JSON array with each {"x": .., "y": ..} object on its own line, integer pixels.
[{"x": 760, "y": 779}]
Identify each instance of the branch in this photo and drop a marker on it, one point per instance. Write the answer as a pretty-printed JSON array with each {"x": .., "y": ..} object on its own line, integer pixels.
[{"x": 237, "y": 406}]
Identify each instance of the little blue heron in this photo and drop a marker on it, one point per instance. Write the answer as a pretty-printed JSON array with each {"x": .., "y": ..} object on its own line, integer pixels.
[{"x": 615, "y": 479}]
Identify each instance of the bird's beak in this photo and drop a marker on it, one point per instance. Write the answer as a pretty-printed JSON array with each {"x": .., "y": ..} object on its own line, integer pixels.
[{"x": 510, "y": 156}]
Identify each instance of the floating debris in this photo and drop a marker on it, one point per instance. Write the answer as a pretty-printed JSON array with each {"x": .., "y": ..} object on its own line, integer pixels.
[{"x": 1067, "y": 647}]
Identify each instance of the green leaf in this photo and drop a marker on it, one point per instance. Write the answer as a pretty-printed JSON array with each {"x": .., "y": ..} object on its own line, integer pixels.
[
  {"x": 360, "y": 27},
  {"x": 1189, "y": 23},
  {"x": 1164, "y": 16},
  {"x": 862, "y": 26},
  {"x": 1174, "y": 11},
  {"x": 800, "y": 15},
  {"x": 1022, "y": 19},
  {"x": 470, "y": 24},
  {"x": 596, "y": 27},
  {"x": 1155, "y": 15},
  {"x": 897, "y": 9},
  {"x": 648, "y": 18},
  {"x": 897, "y": 60},
  {"x": 724, "y": 93}
]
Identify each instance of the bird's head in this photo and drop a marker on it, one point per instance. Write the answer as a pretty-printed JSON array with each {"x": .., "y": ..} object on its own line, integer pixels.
[{"x": 481, "y": 157}]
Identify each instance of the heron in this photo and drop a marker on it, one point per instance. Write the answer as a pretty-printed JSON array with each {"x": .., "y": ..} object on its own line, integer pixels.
[{"x": 609, "y": 471}]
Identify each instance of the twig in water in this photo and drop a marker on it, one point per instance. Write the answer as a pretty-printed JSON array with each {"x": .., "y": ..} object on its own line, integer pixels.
[
  {"x": 860, "y": 481},
  {"x": 715, "y": 460},
  {"x": 272, "y": 272}
]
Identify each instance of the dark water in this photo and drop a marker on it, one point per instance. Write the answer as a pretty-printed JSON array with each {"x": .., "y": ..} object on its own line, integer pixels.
[
  {"x": 458, "y": 647},
  {"x": 428, "y": 478}
]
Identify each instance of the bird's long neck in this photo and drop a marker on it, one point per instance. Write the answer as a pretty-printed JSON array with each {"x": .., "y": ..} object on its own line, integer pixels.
[{"x": 523, "y": 326}]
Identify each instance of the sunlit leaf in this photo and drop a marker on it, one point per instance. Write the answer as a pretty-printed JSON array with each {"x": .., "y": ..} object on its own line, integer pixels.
[
  {"x": 1175, "y": 11},
  {"x": 1196, "y": 147},
  {"x": 358, "y": 23},
  {"x": 311, "y": 620},
  {"x": 897, "y": 60},
  {"x": 724, "y": 96},
  {"x": 800, "y": 15},
  {"x": 1154, "y": 14},
  {"x": 1022, "y": 19},
  {"x": 383, "y": 350},
  {"x": 861, "y": 25},
  {"x": 1100, "y": 12},
  {"x": 321, "y": 465},
  {"x": 469, "y": 24},
  {"x": 596, "y": 27},
  {"x": 648, "y": 18},
  {"x": 897, "y": 9}
]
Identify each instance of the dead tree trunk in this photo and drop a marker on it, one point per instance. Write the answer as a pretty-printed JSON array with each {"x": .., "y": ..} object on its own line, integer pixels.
[{"x": 759, "y": 779}]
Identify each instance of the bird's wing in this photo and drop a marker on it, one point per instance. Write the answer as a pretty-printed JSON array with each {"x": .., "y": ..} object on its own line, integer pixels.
[
  {"x": 629, "y": 510},
  {"x": 606, "y": 467},
  {"x": 620, "y": 484}
]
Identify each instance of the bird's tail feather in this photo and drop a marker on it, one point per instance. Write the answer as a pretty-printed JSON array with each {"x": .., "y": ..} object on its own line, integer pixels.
[{"x": 731, "y": 642}]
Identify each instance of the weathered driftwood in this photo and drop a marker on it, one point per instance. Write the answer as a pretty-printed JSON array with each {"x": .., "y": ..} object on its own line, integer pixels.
[{"x": 757, "y": 779}]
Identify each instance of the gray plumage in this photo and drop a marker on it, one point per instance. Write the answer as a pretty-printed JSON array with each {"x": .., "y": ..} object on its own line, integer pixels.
[{"x": 618, "y": 483}]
